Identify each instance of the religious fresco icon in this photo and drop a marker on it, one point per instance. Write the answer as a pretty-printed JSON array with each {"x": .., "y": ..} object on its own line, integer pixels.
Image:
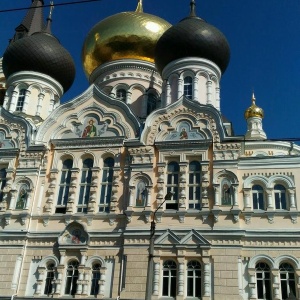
[
  {"x": 75, "y": 236},
  {"x": 184, "y": 132},
  {"x": 91, "y": 127}
]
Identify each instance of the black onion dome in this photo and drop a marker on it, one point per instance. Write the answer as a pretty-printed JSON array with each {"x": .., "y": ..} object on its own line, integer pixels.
[
  {"x": 40, "y": 52},
  {"x": 192, "y": 37}
]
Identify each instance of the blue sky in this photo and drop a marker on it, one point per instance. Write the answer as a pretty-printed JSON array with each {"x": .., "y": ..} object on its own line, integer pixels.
[{"x": 263, "y": 36}]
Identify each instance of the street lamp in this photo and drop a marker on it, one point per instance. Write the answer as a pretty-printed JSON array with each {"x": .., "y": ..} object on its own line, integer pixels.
[{"x": 151, "y": 248}]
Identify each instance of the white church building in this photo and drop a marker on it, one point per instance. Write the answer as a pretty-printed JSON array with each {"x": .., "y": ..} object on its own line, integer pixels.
[{"x": 145, "y": 146}]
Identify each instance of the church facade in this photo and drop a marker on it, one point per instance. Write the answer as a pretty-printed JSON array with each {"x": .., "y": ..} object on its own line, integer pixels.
[{"x": 145, "y": 146}]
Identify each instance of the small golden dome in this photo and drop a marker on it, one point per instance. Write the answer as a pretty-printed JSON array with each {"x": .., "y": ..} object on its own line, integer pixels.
[
  {"x": 131, "y": 35},
  {"x": 253, "y": 110}
]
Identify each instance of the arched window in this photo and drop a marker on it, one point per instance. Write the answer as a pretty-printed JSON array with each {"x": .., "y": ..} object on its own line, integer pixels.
[
  {"x": 151, "y": 103},
  {"x": 21, "y": 99},
  {"x": 280, "y": 196},
  {"x": 188, "y": 87},
  {"x": 194, "y": 185},
  {"x": 263, "y": 281},
  {"x": 121, "y": 94},
  {"x": 141, "y": 193},
  {"x": 169, "y": 279},
  {"x": 2, "y": 182},
  {"x": 287, "y": 281},
  {"x": 106, "y": 185},
  {"x": 194, "y": 279},
  {"x": 85, "y": 185},
  {"x": 22, "y": 197},
  {"x": 95, "y": 279},
  {"x": 226, "y": 192},
  {"x": 64, "y": 186},
  {"x": 71, "y": 278},
  {"x": 172, "y": 184},
  {"x": 50, "y": 274},
  {"x": 258, "y": 197}
]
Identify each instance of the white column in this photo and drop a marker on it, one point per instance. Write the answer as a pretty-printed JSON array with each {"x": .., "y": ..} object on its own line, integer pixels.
[
  {"x": 168, "y": 94},
  {"x": 269, "y": 199},
  {"x": 276, "y": 284},
  {"x": 102, "y": 283},
  {"x": 217, "y": 98},
  {"x": 79, "y": 283},
  {"x": 235, "y": 189},
  {"x": 195, "y": 91},
  {"x": 51, "y": 106},
  {"x": 17, "y": 271},
  {"x": 128, "y": 97},
  {"x": 13, "y": 102},
  {"x": 247, "y": 203},
  {"x": 292, "y": 198},
  {"x": 39, "y": 106},
  {"x": 180, "y": 88},
  {"x": 5, "y": 103},
  {"x": 156, "y": 279},
  {"x": 252, "y": 284},
  {"x": 131, "y": 196},
  {"x": 87, "y": 278},
  {"x": 206, "y": 279},
  {"x": 209, "y": 92},
  {"x": 148, "y": 196},
  {"x": 180, "y": 279},
  {"x": 217, "y": 194},
  {"x": 12, "y": 203},
  {"x": 240, "y": 275},
  {"x": 26, "y": 101}
]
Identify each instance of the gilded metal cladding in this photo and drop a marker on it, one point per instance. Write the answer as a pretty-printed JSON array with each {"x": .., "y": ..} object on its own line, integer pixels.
[
  {"x": 254, "y": 111},
  {"x": 125, "y": 35}
]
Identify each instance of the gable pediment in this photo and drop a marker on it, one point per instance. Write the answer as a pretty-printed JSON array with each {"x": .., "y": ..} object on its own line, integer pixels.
[
  {"x": 191, "y": 238},
  {"x": 91, "y": 115},
  {"x": 183, "y": 121}
]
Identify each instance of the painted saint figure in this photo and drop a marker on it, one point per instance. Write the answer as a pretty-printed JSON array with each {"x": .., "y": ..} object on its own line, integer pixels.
[
  {"x": 141, "y": 194},
  {"x": 183, "y": 134},
  {"x": 22, "y": 198},
  {"x": 90, "y": 130}
]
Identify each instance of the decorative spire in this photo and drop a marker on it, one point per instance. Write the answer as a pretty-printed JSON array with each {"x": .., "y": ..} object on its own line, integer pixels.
[
  {"x": 139, "y": 6},
  {"x": 33, "y": 21},
  {"x": 49, "y": 19},
  {"x": 193, "y": 8},
  {"x": 253, "y": 98}
]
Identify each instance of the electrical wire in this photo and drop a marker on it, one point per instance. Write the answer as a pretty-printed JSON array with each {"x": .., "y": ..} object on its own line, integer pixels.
[{"x": 58, "y": 4}]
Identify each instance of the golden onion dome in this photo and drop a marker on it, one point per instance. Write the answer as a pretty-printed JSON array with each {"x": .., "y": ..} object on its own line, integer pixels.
[
  {"x": 253, "y": 110},
  {"x": 131, "y": 35}
]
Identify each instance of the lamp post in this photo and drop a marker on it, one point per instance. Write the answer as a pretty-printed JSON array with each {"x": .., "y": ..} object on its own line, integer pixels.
[{"x": 151, "y": 249}]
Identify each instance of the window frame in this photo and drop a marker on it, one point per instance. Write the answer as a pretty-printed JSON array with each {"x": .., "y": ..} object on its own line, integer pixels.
[
  {"x": 258, "y": 196},
  {"x": 49, "y": 280},
  {"x": 21, "y": 100},
  {"x": 72, "y": 266},
  {"x": 64, "y": 186},
  {"x": 197, "y": 280},
  {"x": 172, "y": 185},
  {"x": 3, "y": 179},
  {"x": 288, "y": 270},
  {"x": 188, "y": 87},
  {"x": 265, "y": 271},
  {"x": 194, "y": 187},
  {"x": 95, "y": 286},
  {"x": 106, "y": 185},
  {"x": 121, "y": 94},
  {"x": 169, "y": 278},
  {"x": 85, "y": 185},
  {"x": 280, "y": 197}
]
